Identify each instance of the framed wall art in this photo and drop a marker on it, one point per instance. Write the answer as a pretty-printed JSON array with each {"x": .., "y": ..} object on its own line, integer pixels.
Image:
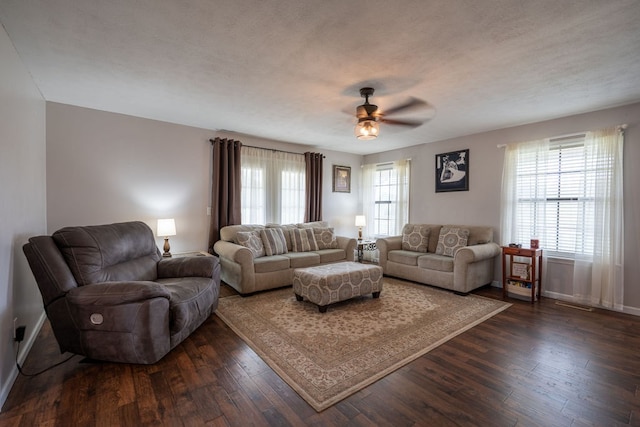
[
  {"x": 452, "y": 171},
  {"x": 341, "y": 179}
]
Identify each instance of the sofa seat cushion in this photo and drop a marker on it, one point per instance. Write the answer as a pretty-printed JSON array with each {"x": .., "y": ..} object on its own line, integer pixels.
[
  {"x": 331, "y": 255},
  {"x": 191, "y": 301},
  {"x": 303, "y": 259},
  {"x": 404, "y": 257},
  {"x": 268, "y": 264},
  {"x": 436, "y": 262}
]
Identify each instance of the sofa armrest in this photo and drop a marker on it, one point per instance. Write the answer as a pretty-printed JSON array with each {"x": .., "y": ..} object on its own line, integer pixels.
[
  {"x": 473, "y": 266},
  {"x": 234, "y": 252},
  {"x": 476, "y": 253},
  {"x": 349, "y": 246},
  {"x": 385, "y": 245},
  {"x": 195, "y": 266},
  {"x": 116, "y": 293}
]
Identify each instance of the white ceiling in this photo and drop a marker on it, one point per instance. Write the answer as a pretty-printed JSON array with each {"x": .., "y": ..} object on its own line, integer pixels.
[{"x": 287, "y": 70}]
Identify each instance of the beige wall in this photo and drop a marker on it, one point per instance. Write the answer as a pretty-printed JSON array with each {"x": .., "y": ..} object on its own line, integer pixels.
[
  {"x": 481, "y": 204},
  {"x": 22, "y": 204},
  {"x": 105, "y": 167}
]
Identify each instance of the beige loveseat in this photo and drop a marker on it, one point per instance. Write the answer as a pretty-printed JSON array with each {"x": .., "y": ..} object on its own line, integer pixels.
[
  {"x": 460, "y": 259},
  {"x": 247, "y": 269}
]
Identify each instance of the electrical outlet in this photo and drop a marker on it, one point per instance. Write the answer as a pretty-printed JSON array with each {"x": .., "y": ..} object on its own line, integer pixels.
[{"x": 19, "y": 333}]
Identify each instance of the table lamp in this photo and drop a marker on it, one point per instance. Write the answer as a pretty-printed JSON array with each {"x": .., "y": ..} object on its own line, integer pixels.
[
  {"x": 166, "y": 228},
  {"x": 361, "y": 221}
]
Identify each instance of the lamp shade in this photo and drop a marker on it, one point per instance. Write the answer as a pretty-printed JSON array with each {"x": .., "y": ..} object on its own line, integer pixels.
[
  {"x": 361, "y": 221},
  {"x": 166, "y": 227},
  {"x": 366, "y": 129}
]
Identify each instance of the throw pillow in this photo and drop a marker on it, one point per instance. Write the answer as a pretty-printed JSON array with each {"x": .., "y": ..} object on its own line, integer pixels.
[
  {"x": 451, "y": 239},
  {"x": 415, "y": 237},
  {"x": 252, "y": 241},
  {"x": 273, "y": 241},
  {"x": 303, "y": 240},
  {"x": 325, "y": 238}
]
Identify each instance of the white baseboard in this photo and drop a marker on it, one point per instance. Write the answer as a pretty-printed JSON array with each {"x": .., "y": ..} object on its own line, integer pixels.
[{"x": 22, "y": 356}]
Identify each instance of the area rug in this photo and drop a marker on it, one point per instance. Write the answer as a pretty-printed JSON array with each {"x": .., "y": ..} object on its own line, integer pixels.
[{"x": 326, "y": 357}]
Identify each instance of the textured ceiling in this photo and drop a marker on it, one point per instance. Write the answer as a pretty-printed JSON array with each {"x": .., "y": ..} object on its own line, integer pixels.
[{"x": 287, "y": 70}]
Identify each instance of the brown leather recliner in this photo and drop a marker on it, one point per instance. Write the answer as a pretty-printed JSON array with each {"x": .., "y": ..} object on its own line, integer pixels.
[{"x": 109, "y": 294}]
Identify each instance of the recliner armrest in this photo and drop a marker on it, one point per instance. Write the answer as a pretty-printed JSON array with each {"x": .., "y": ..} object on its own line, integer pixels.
[
  {"x": 116, "y": 293},
  {"x": 194, "y": 266}
]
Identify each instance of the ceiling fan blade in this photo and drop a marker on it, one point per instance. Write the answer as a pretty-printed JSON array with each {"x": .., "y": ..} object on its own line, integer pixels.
[
  {"x": 409, "y": 123},
  {"x": 412, "y": 104}
]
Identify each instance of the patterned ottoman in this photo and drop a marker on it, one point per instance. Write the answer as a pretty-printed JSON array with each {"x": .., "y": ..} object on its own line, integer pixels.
[{"x": 329, "y": 283}]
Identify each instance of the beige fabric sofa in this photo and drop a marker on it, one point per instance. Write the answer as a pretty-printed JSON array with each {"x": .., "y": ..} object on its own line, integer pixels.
[
  {"x": 469, "y": 268},
  {"x": 248, "y": 273}
]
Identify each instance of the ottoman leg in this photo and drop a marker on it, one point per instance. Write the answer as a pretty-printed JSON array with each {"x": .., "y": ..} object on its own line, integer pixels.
[
  {"x": 322, "y": 308},
  {"x": 298, "y": 297},
  {"x": 376, "y": 294}
]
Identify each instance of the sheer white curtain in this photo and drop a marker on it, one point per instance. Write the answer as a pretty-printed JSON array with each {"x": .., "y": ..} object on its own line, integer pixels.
[
  {"x": 568, "y": 193},
  {"x": 520, "y": 158},
  {"x": 385, "y": 197},
  {"x": 598, "y": 278},
  {"x": 273, "y": 186}
]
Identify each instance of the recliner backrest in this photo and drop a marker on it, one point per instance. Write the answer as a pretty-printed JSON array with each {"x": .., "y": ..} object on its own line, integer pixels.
[{"x": 115, "y": 252}]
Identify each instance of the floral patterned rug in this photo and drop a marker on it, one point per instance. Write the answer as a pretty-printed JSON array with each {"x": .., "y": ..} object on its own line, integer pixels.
[{"x": 326, "y": 357}]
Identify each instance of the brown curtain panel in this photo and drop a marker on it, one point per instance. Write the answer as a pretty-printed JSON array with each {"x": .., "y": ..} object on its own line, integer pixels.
[
  {"x": 225, "y": 187},
  {"x": 313, "y": 209}
]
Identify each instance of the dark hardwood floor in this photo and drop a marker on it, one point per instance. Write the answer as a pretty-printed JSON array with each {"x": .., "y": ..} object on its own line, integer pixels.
[{"x": 531, "y": 365}]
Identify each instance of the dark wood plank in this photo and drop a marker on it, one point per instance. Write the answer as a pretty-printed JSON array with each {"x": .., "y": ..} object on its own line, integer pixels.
[{"x": 533, "y": 364}]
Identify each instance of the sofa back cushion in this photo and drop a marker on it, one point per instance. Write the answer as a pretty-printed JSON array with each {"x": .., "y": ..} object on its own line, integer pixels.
[
  {"x": 479, "y": 234},
  {"x": 228, "y": 233},
  {"x": 114, "y": 252}
]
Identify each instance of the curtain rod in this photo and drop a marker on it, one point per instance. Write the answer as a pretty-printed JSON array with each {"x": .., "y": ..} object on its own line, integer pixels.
[
  {"x": 269, "y": 149},
  {"x": 273, "y": 149},
  {"x": 620, "y": 128}
]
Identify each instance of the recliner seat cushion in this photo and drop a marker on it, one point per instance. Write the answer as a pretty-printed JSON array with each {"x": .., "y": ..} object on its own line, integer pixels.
[{"x": 191, "y": 299}]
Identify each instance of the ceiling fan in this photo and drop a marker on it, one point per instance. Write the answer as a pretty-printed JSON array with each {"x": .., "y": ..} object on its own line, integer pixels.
[{"x": 370, "y": 116}]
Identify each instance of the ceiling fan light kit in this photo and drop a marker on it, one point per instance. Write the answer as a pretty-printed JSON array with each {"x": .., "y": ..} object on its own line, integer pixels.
[
  {"x": 367, "y": 129},
  {"x": 370, "y": 117}
]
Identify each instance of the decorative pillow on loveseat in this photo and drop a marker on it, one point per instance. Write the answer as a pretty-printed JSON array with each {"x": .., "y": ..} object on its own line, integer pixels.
[
  {"x": 303, "y": 240},
  {"x": 451, "y": 239},
  {"x": 415, "y": 237},
  {"x": 252, "y": 241},
  {"x": 273, "y": 241},
  {"x": 325, "y": 238}
]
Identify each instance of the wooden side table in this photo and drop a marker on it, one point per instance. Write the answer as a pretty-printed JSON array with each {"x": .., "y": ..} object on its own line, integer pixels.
[{"x": 522, "y": 278}]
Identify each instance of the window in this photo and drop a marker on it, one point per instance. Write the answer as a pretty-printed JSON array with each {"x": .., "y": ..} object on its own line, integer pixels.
[
  {"x": 555, "y": 196},
  {"x": 569, "y": 193},
  {"x": 558, "y": 186},
  {"x": 273, "y": 186},
  {"x": 386, "y": 197}
]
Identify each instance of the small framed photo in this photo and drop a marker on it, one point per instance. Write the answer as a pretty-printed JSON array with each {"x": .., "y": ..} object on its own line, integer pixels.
[
  {"x": 452, "y": 171},
  {"x": 341, "y": 179},
  {"x": 521, "y": 270}
]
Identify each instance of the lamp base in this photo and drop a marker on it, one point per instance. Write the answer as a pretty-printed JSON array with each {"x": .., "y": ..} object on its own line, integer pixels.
[
  {"x": 166, "y": 248},
  {"x": 360, "y": 233}
]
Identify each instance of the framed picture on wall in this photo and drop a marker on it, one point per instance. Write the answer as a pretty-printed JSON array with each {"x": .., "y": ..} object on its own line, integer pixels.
[
  {"x": 452, "y": 171},
  {"x": 341, "y": 179}
]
